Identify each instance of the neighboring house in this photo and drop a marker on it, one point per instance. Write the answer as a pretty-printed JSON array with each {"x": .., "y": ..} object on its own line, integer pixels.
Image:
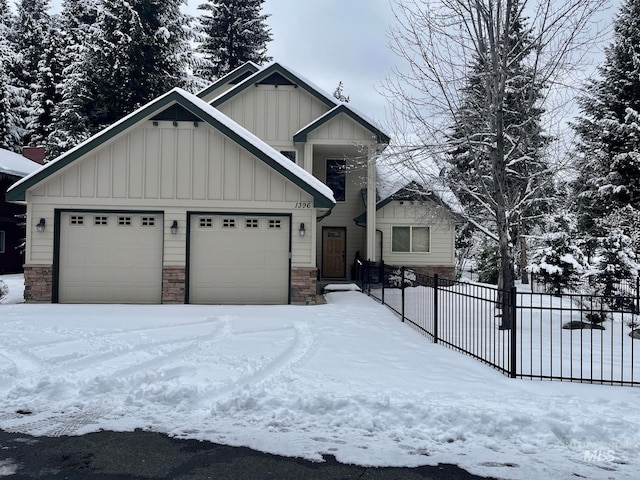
[
  {"x": 13, "y": 167},
  {"x": 245, "y": 193},
  {"x": 416, "y": 229}
]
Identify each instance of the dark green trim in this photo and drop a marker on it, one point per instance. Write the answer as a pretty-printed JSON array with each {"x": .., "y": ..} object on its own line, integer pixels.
[
  {"x": 233, "y": 77},
  {"x": 262, "y": 75},
  {"x": 173, "y": 97},
  {"x": 57, "y": 230},
  {"x": 381, "y": 137},
  {"x": 191, "y": 213},
  {"x": 176, "y": 113},
  {"x": 55, "y": 270}
]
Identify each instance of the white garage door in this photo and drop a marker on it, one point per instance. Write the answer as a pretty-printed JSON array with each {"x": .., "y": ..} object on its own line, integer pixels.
[
  {"x": 239, "y": 259},
  {"x": 110, "y": 258}
]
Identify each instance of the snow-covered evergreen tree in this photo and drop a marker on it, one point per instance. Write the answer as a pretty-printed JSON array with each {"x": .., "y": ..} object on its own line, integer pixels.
[
  {"x": 30, "y": 36},
  {"x": 138, "y": 50},
  {"x": 616, "y": 263},
  {"x": 9, "y": 136},
  {"x": 234, "y": 33},
  {"x": 70, "y": 121},
  {"x": 559, "y": 261},
  {"x": 608, "y": 186}
]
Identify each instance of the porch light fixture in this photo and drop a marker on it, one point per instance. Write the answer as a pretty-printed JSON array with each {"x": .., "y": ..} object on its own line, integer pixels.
[
  {"x": 174, "y": 227},
  {"x": 40, "y": 225},
  {"x": 301, "y": 231}
]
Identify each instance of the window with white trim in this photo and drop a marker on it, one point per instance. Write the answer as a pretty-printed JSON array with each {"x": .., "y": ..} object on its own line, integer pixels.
[
  {"x": 76, "y": 220},
  {"x": 124, "y": 221},
  {"x": 336, "y": 176},
  {"x": 228, "y": 223},
  {"x": 275, "y": 224},
  {"x": 410, "y": 239},
  {"x": 2, "y": 240},
  {"x": 100, "y": 220}
]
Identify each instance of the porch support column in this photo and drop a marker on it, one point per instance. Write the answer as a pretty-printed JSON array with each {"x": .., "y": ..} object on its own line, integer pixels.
[
  {"x": 371, "y": 203},
  {"x": 308, "y": 157}
]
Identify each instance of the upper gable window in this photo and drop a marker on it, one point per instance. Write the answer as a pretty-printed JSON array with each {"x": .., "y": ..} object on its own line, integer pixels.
[{"x": 337, "y": 178}]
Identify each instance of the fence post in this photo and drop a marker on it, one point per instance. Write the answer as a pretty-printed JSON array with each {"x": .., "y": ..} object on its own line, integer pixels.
[
  {"x": 514, "y": 334},
  {"x": 402, "y": 290},
  {"x": 435, "y": 308}
]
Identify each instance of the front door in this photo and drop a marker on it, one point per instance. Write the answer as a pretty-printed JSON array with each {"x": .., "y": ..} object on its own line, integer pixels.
[{"x": 334, "y": 243}]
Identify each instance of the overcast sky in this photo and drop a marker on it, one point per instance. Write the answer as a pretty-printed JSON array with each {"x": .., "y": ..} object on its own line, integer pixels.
[{"x": 327, "y": 41}]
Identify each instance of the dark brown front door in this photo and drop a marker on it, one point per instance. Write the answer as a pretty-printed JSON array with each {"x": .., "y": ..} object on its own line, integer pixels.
[{"x": 334, "y": 243}]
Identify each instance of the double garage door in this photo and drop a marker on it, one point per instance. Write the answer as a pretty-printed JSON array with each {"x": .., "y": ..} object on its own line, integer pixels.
[
  {"x": 239, "y": 259},
  {"x": 117, "y": 258}
]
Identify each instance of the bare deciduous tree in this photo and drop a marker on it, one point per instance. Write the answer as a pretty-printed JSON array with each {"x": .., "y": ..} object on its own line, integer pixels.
[{"x": 440, "y": 43}]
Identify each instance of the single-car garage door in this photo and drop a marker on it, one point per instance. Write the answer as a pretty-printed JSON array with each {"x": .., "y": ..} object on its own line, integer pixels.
[
  {"x": 110, "y": 258},
  {"x": 239, "y": 259}
]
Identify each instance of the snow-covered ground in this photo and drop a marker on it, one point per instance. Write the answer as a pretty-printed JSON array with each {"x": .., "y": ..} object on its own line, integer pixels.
[{"x": 345, "y": 378}]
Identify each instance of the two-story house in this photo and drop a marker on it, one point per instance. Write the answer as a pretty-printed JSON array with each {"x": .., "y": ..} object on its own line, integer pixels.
[{"x": 245, "y": 193}]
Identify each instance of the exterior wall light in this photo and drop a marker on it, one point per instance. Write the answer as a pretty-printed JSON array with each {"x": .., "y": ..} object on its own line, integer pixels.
[
  {"x": 174, "y": 227},
  {"x": 301, "y": 231},
  {"x": 41, "y": 225}
]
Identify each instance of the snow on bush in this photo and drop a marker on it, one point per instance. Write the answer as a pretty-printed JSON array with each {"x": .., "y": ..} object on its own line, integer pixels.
[{"x": 4, "y": 290}]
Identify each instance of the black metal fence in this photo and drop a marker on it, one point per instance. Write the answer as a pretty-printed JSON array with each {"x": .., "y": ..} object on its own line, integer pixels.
[{"x": 524, "y": 334}]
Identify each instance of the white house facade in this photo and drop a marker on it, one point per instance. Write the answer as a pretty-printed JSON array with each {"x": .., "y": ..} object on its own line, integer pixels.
[{"x": 244, "y": 193}]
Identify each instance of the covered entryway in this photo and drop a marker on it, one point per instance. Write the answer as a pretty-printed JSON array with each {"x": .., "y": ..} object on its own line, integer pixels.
[
  {"x": 239, "y": 259},
  {"x": 334, "y": 244},
  {"x": 110, "y": 257}
]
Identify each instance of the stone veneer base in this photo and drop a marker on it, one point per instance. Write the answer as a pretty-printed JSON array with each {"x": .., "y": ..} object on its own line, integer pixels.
[
  {"x": 173, "y": 284},
  {"x": 38, "y": 283},
  {"x": 303, "y": 285}
]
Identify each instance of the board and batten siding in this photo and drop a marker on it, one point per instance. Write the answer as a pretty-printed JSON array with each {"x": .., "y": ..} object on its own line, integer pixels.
[
  {"x": 442, "y": 233},
  {"x": 274, "y": 114},
  {"x": 170, "y": 169},
  {"x": 341, "y": 129}
]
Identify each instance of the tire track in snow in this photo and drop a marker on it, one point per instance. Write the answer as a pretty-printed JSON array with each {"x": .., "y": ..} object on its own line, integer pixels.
[
  {"x": 303, "y": 341},
  {"x": 222, "y": 329}
]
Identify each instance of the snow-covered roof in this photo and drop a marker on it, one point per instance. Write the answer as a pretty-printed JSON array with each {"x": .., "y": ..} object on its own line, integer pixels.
[
  {"x": 396, "y": 169},
  {"x": 12, "y": 163},
  {"x": 318, "y": 92},
  {"x": 265, "y": 152}
]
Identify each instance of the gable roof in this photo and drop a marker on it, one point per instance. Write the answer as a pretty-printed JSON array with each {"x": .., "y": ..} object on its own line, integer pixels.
[
  {"x": 301, "y": 135},
  {"x": 233, "y": 77},
  {"x": 322, "y": 195},
  {"x": 412, "y": 191},
  {"x": 276, "y": 74},
  {"x": 270, "y": 75}
]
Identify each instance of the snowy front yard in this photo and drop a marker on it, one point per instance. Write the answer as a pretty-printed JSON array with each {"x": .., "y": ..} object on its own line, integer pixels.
[{"x": 346, "y": 378}]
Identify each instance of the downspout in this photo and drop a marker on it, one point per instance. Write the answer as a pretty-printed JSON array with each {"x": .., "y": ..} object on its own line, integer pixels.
[{"x": 363, "y": 225}]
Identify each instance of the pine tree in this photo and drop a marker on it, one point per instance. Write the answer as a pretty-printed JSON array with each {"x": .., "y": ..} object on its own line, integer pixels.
[
  {"x": 30, "y": 37},
  {"x": 9, "y": 137},
  {"x": 559, "y": 261},
  {"x": 234, "y": 33},
  {"x": 70, "y": 122},
  {"x": 608, "y": 184}
]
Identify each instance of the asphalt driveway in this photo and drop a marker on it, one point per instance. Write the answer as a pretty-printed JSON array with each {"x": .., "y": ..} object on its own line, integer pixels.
[{"x": 147, "y": 455}]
